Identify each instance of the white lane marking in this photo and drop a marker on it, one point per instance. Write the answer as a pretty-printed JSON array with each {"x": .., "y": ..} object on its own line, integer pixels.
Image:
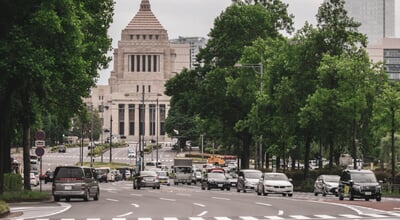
[
  {"x": 112, "y": 200},
  {"x": 64, "y": 207},
  {"x": 170, "y": 218},
  {"x": 222, "y": 218},
  {"x": 166, "y": 199},
  {"x": 220, "y": 198},
  {"x": 183, "y": 194},
  {"x": 118, "y": 219},
  {"x": 136, "y": 195},
  {"x": 280, "y": 212},
  {"x": 196, "y": 218},
  {"x": 144, "y": 218},
  {"x": 299, "y": 217},
  {"x": 325, "y": 216},
  {"x": 136, "y": 205},
  {"x": 203, "y": 213},
  {"x": 89, "y": 219},
  {"x": 273, "y": 217},
  {"x": 351, "y": 216},
  {"x": 199, "y": 204},
  {"x": 265, "y": 204},
  {"x": 248, "y": 218},
  {"x": 126, "y": 214}
]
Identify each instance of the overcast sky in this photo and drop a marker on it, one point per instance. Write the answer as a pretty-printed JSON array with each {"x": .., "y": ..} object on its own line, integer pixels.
[{"x": 188, "y": 18}]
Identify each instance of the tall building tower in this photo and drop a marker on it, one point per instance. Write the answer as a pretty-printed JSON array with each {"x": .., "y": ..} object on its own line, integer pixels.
[
  {"x": 196, "y": 43},
  {"x": 133, "y": 105},
  {"x": 377, "y": 17}
]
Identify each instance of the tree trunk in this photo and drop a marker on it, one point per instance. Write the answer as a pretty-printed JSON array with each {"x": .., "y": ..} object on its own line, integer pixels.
[
  {"x": 27, "y": 156},
  {"x": 393, "y": 149},
  {"x": 5, "y": 138},
  {"x": 307, "y": 155},
  {"x": 246, "y": 139}
]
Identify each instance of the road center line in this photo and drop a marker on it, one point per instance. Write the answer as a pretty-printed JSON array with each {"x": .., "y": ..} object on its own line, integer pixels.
[
  {"x": 199, "y": 204},
  {"x": 136, "y": 195},
  {"x": 203, "y": 213},
  {"x": 136, "y": 205},
  {"x": 220, "y": 198},
  {"x": 260, "y": 203},
  {"x": 126, "y": 214}
]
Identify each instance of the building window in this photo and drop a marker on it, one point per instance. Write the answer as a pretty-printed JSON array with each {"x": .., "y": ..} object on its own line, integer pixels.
[
  {"x": 131, "y": 36},
  {"x": 141, "y": 119},
  {"x": 162, "y": 119},
  {"x": 149, "y": 63},
  {"x": 132, "y": 63},
  {"x": 150, "y": 37},
  {"x": 152, "y": 119},
  {"x": 149, "y": 89},
  {"x": 121, "y": 118},
  {"x": 131, "y": 118},
  {"x": 144, "y": 37},
  {"x": 157, "y": 37},
  {"x": 137, "y": 63},
  {"x": 155, "y": 63},
  {"x": 137, "y": 88},
  {"x": 137, "y": 37},
  {"x": 143, "y": 63}
]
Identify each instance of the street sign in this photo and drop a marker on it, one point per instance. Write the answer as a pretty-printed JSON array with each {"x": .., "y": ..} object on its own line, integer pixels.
[
  {"x": 39, "y": 151},
  {"x": 40, "y": 143},
  {"x": 40, "y": 135}
]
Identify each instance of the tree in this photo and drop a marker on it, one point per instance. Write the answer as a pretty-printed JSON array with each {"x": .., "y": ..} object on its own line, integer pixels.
[{"x": 50, "y": 53}]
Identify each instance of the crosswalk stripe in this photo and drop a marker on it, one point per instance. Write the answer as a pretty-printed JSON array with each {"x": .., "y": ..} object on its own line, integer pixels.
[
  {"x": 170, "y": 218},
  {"x": 299, "y": 217},
  {"x": 222, "y": 218},
  {"x": 273, "y": 217},
  {"x": 351, "y": 216},
  {"x": 196, "y": 218},
  {"x": 247, "y": 218},
  {"x": 375, "y": 215},
  {"x": 324, "y": 216}
]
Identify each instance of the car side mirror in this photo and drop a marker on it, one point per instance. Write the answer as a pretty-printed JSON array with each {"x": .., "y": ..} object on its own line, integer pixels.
[
  {"x": 351, "y": 182},
  {"x": 290, "y": 179}
]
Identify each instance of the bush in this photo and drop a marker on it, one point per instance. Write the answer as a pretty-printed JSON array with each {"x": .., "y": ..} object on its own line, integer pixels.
[
  {"x": 3, "y": 208},
  {"x": 12, "y": 182},
  {"x": 25, "y": 195}
]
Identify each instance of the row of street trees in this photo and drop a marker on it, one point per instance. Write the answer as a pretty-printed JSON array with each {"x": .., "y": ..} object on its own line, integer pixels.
[
  {"x": 319, "y": 87},
  {"x": 50, "y": 54}
]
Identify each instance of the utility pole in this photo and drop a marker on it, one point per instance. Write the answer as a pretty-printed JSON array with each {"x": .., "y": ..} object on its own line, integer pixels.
[{"x": 111, "y": 138}]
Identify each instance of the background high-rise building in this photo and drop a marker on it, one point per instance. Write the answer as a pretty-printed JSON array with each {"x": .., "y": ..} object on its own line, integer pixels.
[
  {"x": 377, "y": 17},
  {"x": 196, "y": 43}
]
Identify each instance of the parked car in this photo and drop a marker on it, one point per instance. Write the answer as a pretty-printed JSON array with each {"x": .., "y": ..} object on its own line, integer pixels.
[
  {"x": 146, "y": 178},
  {"x": 248, "y": 179},
  {"x": 34, "y": 179},
  {"x": 359, "y": 184},
  {"x": 62, "y": 149},
  {"x": 326, "y": 184},
  {"x": 75, "y": 182},
  {"x": 274, "y": 183},
  {"x": 215, "y": 180},
  {"x": 163, "y": 177}
]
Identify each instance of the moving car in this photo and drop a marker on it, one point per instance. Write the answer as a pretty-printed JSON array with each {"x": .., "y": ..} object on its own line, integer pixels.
[
  {"x": 62, "y": 149},
  {"x": 196, "y": 176},
  {"x": 232, "y": 178},
  {"x": 75, "y": 182},
  {"x": 359, "y": 184},
  {"x": 163, "y": 177},
  {"x": 215, "y": 180},
  {"x": 326, "y": 184},
  {"x": 146, "y": 178},
  {"x": 274, "y": 183},
  {"x": 248, "y": 179}
]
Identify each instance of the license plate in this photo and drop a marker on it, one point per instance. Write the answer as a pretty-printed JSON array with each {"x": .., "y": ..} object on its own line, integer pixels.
[
  {"x": 219, "y": 185},
  {"x": 368, "y": 193},
  {"x": 68, "y": 187}
]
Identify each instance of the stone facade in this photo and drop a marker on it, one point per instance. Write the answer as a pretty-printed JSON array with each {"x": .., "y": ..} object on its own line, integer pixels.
[{"x": 133, "y": 104}]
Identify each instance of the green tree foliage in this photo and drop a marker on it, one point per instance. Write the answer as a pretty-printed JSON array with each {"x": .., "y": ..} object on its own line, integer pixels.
[{"x": 50, "y": 56}]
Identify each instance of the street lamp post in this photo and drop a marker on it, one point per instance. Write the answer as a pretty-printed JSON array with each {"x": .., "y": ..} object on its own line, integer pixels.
[
  {"x": 261, "y": 71},
  {"x": 111, "y": 138},
  {"x": 157, "y": 118}
]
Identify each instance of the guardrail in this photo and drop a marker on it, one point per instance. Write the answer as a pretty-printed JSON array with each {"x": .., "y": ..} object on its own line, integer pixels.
[{"x": 391, "y": 188}]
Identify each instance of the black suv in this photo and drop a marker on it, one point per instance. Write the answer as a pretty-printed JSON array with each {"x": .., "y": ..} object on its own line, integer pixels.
[{"x": 359, "y": 184}]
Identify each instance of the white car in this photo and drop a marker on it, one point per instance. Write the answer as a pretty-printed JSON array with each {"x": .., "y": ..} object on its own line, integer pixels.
[
  {"x": 274, "y": 183},
  {"x": 34, "y": 179}
]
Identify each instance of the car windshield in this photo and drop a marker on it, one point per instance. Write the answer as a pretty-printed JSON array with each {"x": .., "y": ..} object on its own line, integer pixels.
[
  {"x": 183, "y": 169},
  {"x": 70, "y": 172},
  {"x": 275, "y": 176},
  {"x": 216, "y": 175},
  {"x": 363, "y": 178},
  {"x": 161, "y": 173},
  {"x": 148, "y": 173},
  {"x": 252, "y": 175},
  {"x": 332, "y": 178}
]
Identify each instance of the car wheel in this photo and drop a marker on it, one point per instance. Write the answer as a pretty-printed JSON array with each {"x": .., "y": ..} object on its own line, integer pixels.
[
  {"x": 244, "y": 190},
  {"x": 208, "y": 187},
  {"x": 290, "y": 195},
  {"x": 154, "y": 187},
  {"x": 228, "y": 189},
  {"x": 366, "y": 198},
  {"x": 67, "y": 199},
  {"x": 258, "y": 192},
  {"x": 265, "y": 194},
  {"x": 56, "y": 198},
  {"x": 283, "y": 194},
  {"x": 96, "y": 197},
  {"x": 315, "y": 194},
  {"x": 158, "y": 187},
  {"x": 341, "y": 196},
  {"x": 237, "y": 189},
  {"x": 378, "y": 198},
  {"x": 86, "y": 196}
]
